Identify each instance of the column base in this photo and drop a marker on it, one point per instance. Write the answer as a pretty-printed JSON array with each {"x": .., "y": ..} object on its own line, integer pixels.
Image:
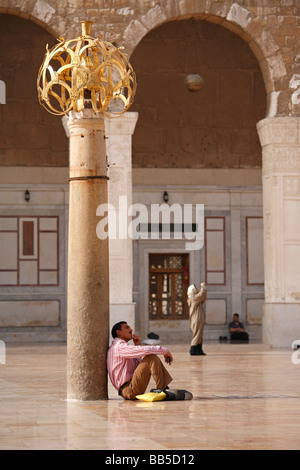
[{"x": 281, "y": 325}]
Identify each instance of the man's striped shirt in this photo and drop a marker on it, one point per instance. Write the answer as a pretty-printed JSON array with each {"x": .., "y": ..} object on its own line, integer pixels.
[{"x": 123, "y": 359}]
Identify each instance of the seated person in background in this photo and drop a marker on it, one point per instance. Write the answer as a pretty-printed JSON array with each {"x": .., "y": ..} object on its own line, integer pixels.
[{"x": 237, "y": 330}]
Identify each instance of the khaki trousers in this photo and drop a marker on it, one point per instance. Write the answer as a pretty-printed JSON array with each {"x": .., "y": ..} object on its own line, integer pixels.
[
  {"x": 197, "y": 326},
  {"x": 149, "y": 365}
]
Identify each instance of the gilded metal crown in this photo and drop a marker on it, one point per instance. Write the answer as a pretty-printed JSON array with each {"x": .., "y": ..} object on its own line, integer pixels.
[{"x": 82, "y": 69}]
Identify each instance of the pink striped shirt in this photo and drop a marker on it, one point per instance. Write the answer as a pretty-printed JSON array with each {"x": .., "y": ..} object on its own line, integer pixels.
[{"x": 123, "y": 359}]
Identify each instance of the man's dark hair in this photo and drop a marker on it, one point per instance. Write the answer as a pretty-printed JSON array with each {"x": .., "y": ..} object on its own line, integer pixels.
[
  {"x": 236, "y": 315},
  {"x": 116, "y": 327}
]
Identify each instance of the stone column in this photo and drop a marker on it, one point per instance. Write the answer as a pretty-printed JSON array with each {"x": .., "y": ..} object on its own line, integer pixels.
[
  {"x": 88, "y": 257},
  {"x": 280, "y": 140},
  {"x": 119, "y": 152}
]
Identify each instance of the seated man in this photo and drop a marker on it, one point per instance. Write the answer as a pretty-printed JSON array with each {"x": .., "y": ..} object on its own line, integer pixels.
[
  {"x": 130, "y": 367},
  {"x": 237, "y": 330}
]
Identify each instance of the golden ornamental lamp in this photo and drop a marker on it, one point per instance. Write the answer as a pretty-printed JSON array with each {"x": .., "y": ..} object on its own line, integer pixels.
[{"x": 86, "y": 71}]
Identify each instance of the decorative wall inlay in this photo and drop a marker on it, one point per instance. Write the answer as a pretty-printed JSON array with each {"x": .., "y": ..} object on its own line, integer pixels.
[
  {"x": 215, "y": 251},
  {"x": 29, "y": 251},
  {"x": 215, "y": 312},
  {"x": 254, "y": 250}
]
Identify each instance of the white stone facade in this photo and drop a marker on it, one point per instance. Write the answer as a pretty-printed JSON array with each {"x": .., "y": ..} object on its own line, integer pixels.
[
  {"x": 230, "y": 262},
  {"x": 33, "y": 285},
  {"x": 280, "y": 139}
]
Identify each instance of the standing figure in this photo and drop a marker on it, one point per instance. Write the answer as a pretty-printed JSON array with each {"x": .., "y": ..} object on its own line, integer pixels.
[{"x": 195, "y": 302}]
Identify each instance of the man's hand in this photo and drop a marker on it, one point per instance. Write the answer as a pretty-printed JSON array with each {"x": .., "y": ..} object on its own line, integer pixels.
[
  {"x": 168, "y": 358},
  {"x": 136, "y": 340}
]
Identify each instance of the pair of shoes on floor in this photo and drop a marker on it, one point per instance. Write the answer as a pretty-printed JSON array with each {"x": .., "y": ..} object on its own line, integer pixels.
[
  {"x": 222, "y": 338},
  {"x": 173, "y": 394}
]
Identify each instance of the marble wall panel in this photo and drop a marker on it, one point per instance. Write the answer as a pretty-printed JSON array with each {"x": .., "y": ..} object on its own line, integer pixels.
[
  {"x": 254, "y": 311},
  {"x": 8, "y": 278},
  {"x": 8, "y": 250},
  {"x": 215, "y": 312},
  {"x": 48, "y": 250},
  {"x": 28, "y": 245},
  {"x": 292, "y": 269},
  {"x": 29, "y": 313},
  {"x": 291, "y": 220},
  {"x": 33, "y": 243},
  {"x": 215, "y": 250},
  {"x": 255, "y": 254},
  {"x": 28, "y": 273}
]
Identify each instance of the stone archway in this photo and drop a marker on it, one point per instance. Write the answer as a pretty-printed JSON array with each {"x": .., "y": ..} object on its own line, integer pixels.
[
  {"x": 243, "y": 22},
  {"x": 279, "y": 132}
]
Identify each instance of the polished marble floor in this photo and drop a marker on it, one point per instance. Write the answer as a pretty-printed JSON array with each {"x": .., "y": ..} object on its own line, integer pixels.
[{"x": 246, "y": 396}]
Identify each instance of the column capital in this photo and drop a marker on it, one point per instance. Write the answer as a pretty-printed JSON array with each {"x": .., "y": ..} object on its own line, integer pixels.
[
  {"x": 280, "y": 141},
  {"x": 123, "y": 125},
  {"x": 86, "y": 118},
  {"x": 279, "y": 130}
]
